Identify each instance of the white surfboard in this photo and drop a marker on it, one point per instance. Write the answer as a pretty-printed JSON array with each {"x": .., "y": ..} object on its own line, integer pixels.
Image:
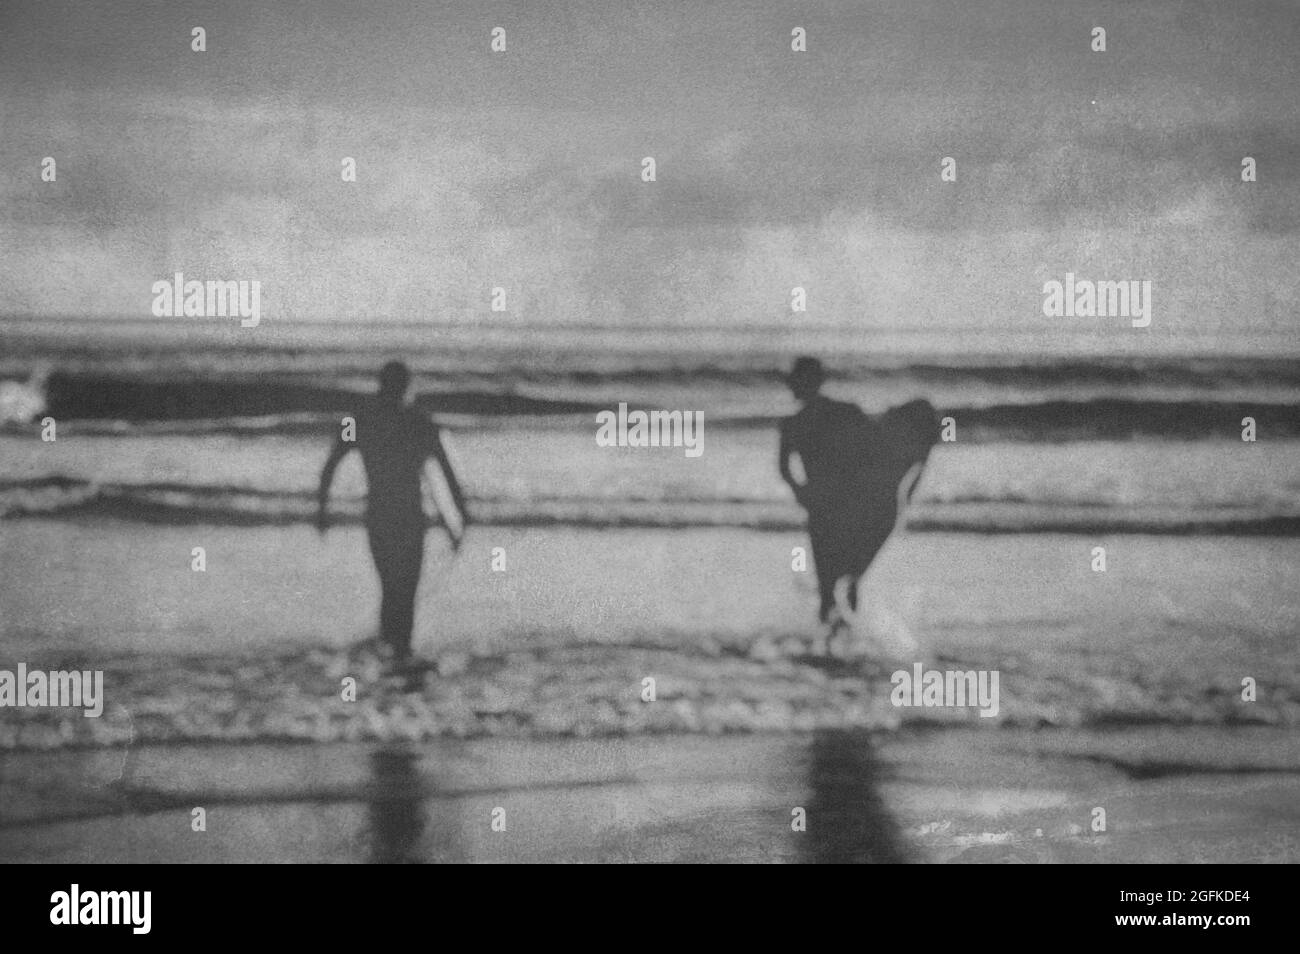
[{"x": 438, "y": 495}]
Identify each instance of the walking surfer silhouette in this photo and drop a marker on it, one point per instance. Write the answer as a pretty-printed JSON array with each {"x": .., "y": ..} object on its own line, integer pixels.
[
  {"x": 859, "y": 472},
  {"x": 395, "y": 440}
]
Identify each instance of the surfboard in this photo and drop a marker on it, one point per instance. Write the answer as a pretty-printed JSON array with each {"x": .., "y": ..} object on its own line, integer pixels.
[{"x": 438, "y": 496}]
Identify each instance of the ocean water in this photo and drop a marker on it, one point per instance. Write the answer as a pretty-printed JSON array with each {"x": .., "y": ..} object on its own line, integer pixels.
[
  {"x": 161, "y": 425},
  {"x": 633, "y": 561}
]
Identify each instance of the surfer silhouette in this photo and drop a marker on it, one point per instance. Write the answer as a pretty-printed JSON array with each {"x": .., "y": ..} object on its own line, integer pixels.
[
  {"x": 395, "y": 440},
  {"x": 858, "y": 473}
]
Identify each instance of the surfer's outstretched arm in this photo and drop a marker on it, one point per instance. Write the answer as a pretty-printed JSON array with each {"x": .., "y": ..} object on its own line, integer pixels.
[{"x": 337, "y": 453}]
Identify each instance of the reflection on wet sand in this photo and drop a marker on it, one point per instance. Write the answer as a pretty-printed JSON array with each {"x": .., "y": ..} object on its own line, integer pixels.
[
  {"x": 690, "y": 809},
  {"x": 847, "y": 818},
  {"x": 395, "y": 806}
]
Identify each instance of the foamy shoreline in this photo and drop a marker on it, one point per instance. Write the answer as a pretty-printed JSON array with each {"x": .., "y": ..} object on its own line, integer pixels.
[{"x": 256, "y": 647}]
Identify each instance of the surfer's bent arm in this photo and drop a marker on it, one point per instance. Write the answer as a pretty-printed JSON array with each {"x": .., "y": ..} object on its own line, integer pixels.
[
  {"x": 439, "y": 453},
  {"x": 337, "y": 453},
  {"x": 784, "y": 463}
]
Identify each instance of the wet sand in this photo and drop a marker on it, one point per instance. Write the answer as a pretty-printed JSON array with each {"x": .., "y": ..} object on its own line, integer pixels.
[{"x": 1009, "y": 796}]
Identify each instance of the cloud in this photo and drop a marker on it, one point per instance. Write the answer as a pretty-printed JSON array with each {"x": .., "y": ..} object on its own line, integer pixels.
[{"x": 772, "y": 170}]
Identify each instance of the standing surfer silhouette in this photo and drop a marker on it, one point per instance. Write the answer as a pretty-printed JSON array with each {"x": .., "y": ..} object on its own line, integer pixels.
[
  {"x": 395, "y": 440},
  {"x": 859, "y": 472}
]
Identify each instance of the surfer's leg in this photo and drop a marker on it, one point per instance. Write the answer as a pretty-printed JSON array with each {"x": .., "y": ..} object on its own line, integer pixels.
[
  {"x": 407, "y": 559},
  {"x": 382, "y": 551},
  {"x": 826, "y": 589},
  {"x": 410, "y": 585},
  {"x": 398, "y": 550},
  {"x": 399, "y": 607},
  {"x": 819, "y": 545},
  {"x": 390, "y": 615}
]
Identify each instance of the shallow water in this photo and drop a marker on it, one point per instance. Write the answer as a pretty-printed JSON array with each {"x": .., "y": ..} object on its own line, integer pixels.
[{"x": 560, "y": 644}]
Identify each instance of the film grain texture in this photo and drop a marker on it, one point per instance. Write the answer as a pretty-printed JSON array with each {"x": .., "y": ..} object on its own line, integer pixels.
[{"x": 748, "y": 431}]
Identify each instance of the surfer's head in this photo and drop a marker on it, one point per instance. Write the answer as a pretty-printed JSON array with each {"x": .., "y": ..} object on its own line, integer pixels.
[
  {"x": 806, "y": 378},
  {"x": 394, "y": 377}
]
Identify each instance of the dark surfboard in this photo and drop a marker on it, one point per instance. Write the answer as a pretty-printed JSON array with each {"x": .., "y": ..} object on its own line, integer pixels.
[{"x": 854, "y": 516}]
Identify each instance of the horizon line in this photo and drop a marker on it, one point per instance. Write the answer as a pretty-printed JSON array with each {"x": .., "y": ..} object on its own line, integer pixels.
[{"x": 600, "y": 326}]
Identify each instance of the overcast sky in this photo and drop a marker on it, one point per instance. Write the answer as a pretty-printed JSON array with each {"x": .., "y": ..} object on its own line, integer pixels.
[{"x": 775, "y": 169}]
